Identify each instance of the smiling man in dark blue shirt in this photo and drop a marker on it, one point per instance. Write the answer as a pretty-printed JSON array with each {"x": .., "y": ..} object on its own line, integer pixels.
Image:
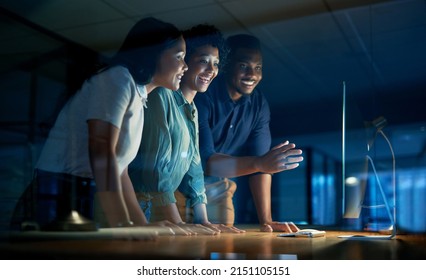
[{"x": 235, "y": 138}]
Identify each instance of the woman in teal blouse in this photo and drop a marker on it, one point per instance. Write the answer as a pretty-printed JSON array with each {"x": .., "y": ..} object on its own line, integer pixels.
[{"x": 169, "y": 157}]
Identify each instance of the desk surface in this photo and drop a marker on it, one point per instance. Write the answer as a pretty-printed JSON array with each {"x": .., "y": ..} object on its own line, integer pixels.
[{"x": 250, "y": 245}]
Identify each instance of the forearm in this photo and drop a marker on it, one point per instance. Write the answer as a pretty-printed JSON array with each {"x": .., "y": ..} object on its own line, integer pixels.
[
  {"x": 135, "y": 212},
  {"x": 200, "y": 214},
  {"x": 171, "y": 213},
  {"x": 226, "y": 166},
  {"x": 111, "y": 195},
  {"x": 102, "y": 141},
  {"x": 260, "y": 187},
  {"x": 282, "y": 157}
]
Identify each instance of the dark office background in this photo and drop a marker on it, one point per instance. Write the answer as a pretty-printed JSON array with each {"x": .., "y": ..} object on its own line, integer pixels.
[{"x": 311, "y": 47}]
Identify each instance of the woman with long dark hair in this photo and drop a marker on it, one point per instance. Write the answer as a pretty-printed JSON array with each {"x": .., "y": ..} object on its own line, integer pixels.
[{"x": 98, "y": 132}]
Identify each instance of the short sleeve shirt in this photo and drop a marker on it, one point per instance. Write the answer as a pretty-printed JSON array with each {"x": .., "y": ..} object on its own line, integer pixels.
[{"x": 111, "y": 96}]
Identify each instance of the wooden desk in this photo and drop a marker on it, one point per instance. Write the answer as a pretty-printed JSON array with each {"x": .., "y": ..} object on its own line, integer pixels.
[{"x": 250, "y": 245}]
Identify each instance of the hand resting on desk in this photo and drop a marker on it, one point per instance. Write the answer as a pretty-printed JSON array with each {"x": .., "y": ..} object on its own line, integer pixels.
[{"x": 279, "y": 226}]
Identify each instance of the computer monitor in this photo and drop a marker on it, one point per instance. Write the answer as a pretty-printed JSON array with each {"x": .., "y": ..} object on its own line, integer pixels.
[{"x": 358, "y": 137}]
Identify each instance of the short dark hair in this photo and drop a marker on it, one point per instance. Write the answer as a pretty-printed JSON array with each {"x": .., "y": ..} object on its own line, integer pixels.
[
  {"x": 242, "y": 41},
  {"x": 144, "y": 45},
  {"x": 238, "y": 41},
  {"x": 205, "y": 34}
]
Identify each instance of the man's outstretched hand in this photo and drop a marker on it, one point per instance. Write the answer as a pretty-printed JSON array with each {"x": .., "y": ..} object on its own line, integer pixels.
[{"x": 282, "y": 157}]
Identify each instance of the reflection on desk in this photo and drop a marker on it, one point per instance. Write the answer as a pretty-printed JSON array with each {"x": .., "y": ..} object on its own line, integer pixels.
[{"x": 250, "y": 245}]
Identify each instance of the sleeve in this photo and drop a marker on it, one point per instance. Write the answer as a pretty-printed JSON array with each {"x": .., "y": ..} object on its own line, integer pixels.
[
  {"x": 192, "y": 185},
  {"x": 206, "y": 142},
  {"x": 155, "y": 151},
  {"x": 259, "y": 141},
  {"x": 110, "y": 95}
]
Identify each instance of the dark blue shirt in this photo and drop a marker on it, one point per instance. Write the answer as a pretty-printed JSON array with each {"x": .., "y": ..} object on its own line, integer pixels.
[{"x": 234, "y": 128}]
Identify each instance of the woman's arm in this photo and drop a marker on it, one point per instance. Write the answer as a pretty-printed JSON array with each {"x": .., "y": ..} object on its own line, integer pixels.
[
  {"x": 136, "y": 214},
  {"x": 171, "y": 213},
  {"x": 200, "y": 216},
  {"x": 103, "y": 138}
]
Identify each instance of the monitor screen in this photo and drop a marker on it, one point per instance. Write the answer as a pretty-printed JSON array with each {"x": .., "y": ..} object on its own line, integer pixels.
[
  {"x": 354, "y": 161},
  {"x": 359, "y": 174}
]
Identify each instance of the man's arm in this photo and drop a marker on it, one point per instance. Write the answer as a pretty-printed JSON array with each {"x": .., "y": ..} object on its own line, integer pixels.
[
  {"x": 260, "y": 187},
  {"x": 282, "y": 157}
]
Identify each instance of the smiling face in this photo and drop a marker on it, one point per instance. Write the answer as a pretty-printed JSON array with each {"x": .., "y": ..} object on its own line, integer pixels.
[
  {"x": 244, "y": 73},
  {"x": 203, "y": 66},
  {"x": 171, "y": 66}
]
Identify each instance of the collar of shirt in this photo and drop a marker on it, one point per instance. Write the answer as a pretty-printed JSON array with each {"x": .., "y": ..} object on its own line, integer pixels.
[
  {"x": 181, "y": 101},
  {"x": 143, "y": 94},
  {"x": 223, "y": 93}
]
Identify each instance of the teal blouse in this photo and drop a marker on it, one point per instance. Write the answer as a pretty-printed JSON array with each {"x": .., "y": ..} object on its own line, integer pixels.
[{"x": 169, "y": 156}]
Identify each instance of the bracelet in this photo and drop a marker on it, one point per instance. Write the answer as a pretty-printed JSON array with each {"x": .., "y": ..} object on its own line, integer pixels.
[{"x": 125, "y": 224}]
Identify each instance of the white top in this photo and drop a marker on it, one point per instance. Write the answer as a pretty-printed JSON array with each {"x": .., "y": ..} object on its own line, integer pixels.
[{"x": 111, "y": 96}]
